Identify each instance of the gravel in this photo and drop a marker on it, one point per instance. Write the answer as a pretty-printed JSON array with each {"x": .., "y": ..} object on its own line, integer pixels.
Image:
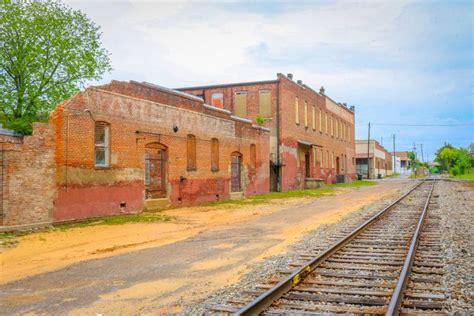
[
  {"x": 319, "y": 238},
  {"x": 456, "y": 202}
]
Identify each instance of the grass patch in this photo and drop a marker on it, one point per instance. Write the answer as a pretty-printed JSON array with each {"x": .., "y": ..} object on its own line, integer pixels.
[
  {"x": 10, "y": 239},
  {"x": 469, "y": 175},
  {"x": 262, "y": 198},
  {"x": 117, "y": 220}
]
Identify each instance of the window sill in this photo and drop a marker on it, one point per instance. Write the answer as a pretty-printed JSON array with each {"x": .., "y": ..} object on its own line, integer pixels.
[{"x": 102, "y": 167}]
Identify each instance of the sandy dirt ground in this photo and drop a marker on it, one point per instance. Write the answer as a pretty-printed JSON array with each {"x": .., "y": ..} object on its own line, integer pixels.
[{"x": 153, "y": 267}]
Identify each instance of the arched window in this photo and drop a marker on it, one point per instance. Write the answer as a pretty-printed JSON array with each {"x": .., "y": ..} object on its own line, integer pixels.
[
  {"x": 191, "y": 152},
  {"x": 214, "y": 154},
  {"x": 102, "y": 144}
]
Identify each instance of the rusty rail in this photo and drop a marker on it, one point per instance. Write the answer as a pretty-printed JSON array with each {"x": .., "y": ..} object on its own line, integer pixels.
[
  {"x": 398, "y": 293},
  {"x": 264, "y": 300}
]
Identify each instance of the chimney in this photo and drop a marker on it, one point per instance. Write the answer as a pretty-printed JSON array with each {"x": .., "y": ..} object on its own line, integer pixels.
[
  {"x": 345, "y": 104},
  {"x": 290, "y": 76},
  {"x": 352, "y": 108},
  {"x": 321, "y": 90},
  {"x": 300, "y": 82}
]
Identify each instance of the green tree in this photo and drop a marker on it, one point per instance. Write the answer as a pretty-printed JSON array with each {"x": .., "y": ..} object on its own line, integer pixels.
[
  {"x": 446, "y": 156},
  {"x": 48, "y": 52},
  {"x": 463, "y": 160}
]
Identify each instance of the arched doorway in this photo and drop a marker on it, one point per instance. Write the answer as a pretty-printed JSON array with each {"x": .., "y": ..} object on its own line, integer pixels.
[
  {"x": 156, "y": 156},
  {"x": 338, "y": 165},
  {"x": 236, "y": 172}
]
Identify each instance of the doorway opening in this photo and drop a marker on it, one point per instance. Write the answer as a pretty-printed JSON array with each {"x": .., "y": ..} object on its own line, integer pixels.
[
  {"x": 156, "y": 156},
  {"x": 236, "y": 172}
]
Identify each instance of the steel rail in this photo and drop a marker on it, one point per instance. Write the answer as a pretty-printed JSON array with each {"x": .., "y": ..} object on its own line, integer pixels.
[
  {"x": 265, "y": 299},
  {"x": 399, "y": 291}
]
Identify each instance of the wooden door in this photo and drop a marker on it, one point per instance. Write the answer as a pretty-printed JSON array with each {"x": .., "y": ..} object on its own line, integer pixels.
[
  {"x": 155, "y": 171},
  {"x": 236, "y": 172}
]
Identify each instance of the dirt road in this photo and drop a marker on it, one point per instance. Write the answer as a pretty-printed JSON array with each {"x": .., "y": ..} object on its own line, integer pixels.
[{"x": 200, "y": 253}]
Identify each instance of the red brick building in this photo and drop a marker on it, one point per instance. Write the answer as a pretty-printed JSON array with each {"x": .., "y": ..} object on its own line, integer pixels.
[
  {"x": 124, "y": 146},
  {"x": 311, "y": 135}
]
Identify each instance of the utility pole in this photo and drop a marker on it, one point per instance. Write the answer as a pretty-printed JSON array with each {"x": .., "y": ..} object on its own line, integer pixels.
[
  {"x": 368, "y": 154},
  {"x": 394, "y": 157}
]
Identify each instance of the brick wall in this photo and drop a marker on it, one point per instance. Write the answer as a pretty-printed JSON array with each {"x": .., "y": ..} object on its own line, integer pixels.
[
  {"x": 139, "y": 115},
  {"x": 28, "y": 189},
  {"x": 341, "y": 147},
  {"x": 337, "y": 147}
]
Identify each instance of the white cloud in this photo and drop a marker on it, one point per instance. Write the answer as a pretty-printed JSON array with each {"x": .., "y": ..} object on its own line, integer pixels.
[{"x": 381, "y": 56}]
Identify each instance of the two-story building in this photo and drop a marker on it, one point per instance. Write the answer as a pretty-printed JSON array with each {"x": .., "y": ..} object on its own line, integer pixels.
[
  {"x": 311, "y": 135},
  {"x": 373, "y": 156}
]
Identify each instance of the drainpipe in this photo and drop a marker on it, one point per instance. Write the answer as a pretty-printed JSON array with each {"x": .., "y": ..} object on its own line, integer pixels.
[{"x": 278, "y": 135}]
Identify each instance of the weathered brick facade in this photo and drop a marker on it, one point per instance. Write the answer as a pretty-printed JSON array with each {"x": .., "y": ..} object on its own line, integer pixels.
[
  {"x": 53, "y": 175},
  {"x": 300, "y": 152},
  {"x": 28, "y": 183}
]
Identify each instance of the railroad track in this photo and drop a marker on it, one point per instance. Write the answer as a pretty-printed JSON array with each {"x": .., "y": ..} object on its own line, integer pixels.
[{"x": 391, "y": 264}]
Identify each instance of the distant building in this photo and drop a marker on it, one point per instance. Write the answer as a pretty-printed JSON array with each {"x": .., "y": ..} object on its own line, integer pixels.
[
  {"x": 311, "y": 135},
  {"x": 373, "y": 156},
  {"x": 396, "y": 163},
  {"x": 405, "y": 162}
]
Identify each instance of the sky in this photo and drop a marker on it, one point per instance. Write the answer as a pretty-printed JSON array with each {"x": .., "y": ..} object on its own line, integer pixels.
[{"x": 397, "y": 62}]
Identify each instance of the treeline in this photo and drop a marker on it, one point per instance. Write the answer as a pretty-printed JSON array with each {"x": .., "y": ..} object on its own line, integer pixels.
[{"x": 454, "y": 160}]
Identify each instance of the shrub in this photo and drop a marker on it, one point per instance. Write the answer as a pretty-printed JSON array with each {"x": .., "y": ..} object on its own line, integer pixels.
[{"x": 455, "y": 171}]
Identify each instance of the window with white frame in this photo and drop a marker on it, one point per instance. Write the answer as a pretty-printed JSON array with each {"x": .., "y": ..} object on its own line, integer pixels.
[{"x": 102, "y": 140}]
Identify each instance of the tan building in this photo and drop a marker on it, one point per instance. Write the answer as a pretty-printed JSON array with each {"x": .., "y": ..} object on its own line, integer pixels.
[{"x": 378, "y": 158}]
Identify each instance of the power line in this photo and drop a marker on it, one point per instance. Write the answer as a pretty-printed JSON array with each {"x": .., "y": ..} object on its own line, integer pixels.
[{"x": 426, "y": 125}]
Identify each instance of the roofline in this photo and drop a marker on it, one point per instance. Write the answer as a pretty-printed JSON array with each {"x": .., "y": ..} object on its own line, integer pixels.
[
  {"x": 167, "y": 90},
  {"x": 225, "y": 85}
]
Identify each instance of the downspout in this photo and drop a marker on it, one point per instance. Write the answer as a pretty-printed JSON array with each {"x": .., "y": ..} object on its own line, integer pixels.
[{"x": 278, "y": 135}]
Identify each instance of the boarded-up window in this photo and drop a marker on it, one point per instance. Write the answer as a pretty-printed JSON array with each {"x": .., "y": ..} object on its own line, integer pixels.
[
  {"x": 102, "y": 141},
  {"x": 214, "y": 154},
  {"x": 253, "y": 157},
  {"x": 217, "y": 99},
  {"x": 297, "y": 111},
  {"x": 191, "y": 152},
  {"x": 313, "y": 111},
  {"x": 305, "y": 114},
  {"x": 265, "y": 103},
  {"x": 326, "y": 128},
  {"x": 331, "y": 130},
  {"x": 320, "y": 120},
  {"x": 240, "y": 104},
  {"x": 332, "y": 160},
  {"x": 337, "y": 128},
  {"x": 327, "y": 158}
]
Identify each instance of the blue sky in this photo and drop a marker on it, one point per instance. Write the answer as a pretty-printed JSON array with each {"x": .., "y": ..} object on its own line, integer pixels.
[{"x": 399, "y": 62}]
